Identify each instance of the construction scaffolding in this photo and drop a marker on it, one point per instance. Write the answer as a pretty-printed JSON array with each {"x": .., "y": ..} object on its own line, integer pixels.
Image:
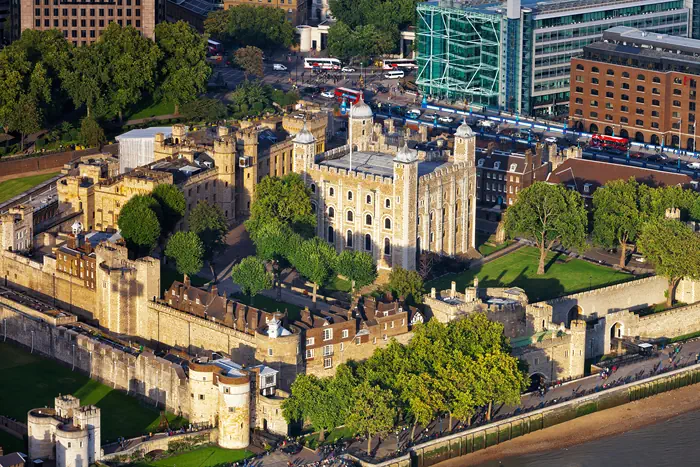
[{"x": 459, "y": 54}]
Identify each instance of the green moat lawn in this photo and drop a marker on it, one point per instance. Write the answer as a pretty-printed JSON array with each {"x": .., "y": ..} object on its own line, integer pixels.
[
  {"x": 519, "y": 268},
  {"x": 209, "y": 456},
  {"x": 13, "y": 187},
  {"x": 30, "y": 381}
]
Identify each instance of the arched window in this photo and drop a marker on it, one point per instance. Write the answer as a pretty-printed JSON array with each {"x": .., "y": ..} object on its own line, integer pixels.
[
  {"x": 387, "y": 223},
  {"x": 368, "y": 242},
  {"x": 610, "y": 72},
  {"x": 350, "y": 195},
  {"x": 348, "y": 239},
  {"x": 331, "y": 234},
  {"x": 368, "y": 219},
  {"x": 313, "y": 188},
  {"x": 369, "y": 199},
  {"x": 331, "y": 212},
  {"x": 313, "y": 208},
  {"x": 350, "y": 216},
  {"x": 331, "y": 191},
  {"x": 387, "y": 247},
  {"x": 640, "y": 77},
  {"x": 579, "y": 67},
  {"x": 595, "y": 70},
  {"x": 625, "y": 74},
  {"x": 387, "y": 203}
]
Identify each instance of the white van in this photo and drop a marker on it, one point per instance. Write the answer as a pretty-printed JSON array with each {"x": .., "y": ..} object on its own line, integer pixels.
[
  {"x": 394, "y": 74},
  {"x": 279, "y": 67}
]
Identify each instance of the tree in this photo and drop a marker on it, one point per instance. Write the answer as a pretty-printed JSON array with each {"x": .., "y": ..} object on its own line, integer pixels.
[
  {"x": 358, "y": 266},
  {"x": 91, "y": 133},
  {"x": 363, "y": 42},
  {"x": 273, "y": 241},
  {"x": 252, "y": 276},
  {"x": 286, "y": 201},
  {"x": 309, "y": 402},
  {"x": 250, "y": 59},
  {"x": 208, "y": 221},
  {"x": 172, "y": 203},
  {"x": 406, "y": 284},
  {"x": 502, "y": 379},
  {"x": 421, "y": 398},
  {"x": 372, "y": 412},
  {"x": 205, "y": 110},
  {"x": 26, "y": 118},
  {"x": 139, "y": 226},
  {"x": 85, "y": 81},
  {"x": 618, "y": 214},
  {"x": 673, "y": 249},
  {"x": 548, "y": 214},
  {"x": 184, "y": 69},
  {"x": 186, "y": 249},
  {"x": 314, "y": 259}
]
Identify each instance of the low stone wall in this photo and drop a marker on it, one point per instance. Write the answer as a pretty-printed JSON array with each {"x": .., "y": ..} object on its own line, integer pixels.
[
  {"x": 158, "y": 443},
  {"x": 13, "y": 427},
  {"x": 466, "y": 442}
]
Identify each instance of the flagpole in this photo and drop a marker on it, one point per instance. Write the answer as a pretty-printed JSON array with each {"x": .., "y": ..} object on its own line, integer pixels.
[{"x": 350, "y": 133}]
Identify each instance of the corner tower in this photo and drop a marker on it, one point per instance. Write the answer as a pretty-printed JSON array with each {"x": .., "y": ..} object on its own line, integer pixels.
[
  {"x": 225, "y": 160},
  {"x": 405, "y": 190},
  {"x": 465, "y": 145},
  {"x": 304, "y": 151},
  {"x": 360, "y": 123}
]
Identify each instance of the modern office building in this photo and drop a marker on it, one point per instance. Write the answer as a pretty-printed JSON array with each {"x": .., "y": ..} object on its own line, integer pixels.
[
  {"x": 82, "y": 23},
  {"x": 638, "y": 85},
  {"x": 516, "y": 56},
  {"x": 296, "y": 11}
]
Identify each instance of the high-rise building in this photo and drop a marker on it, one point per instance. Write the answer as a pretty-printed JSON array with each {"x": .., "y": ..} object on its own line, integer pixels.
[
  {"x": 515, "y": 56},
  {"x": 82, "y": 23},
  {"x": 638, "y": 85}
]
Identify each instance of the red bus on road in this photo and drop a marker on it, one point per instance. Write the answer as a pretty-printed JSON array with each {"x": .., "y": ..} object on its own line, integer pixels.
[
  {"x": 609, "y": 142},
  {"x": 352, "y": 95}
]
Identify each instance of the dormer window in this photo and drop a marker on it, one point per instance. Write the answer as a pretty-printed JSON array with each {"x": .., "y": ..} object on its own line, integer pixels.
[
  {"x": 480, "y": 163},
  {"x": 497, "y": 165},
  {"x": 386, "y": 313},
  {"x": 197, "y": 301},
  {"x": 586, "y": 187},
  {"x": 513, "y": 167}
]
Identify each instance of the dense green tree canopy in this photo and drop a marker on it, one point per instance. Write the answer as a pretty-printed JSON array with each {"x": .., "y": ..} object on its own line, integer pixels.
[
  {"x": 250, "y": 59},
  {"x": 406, "y": 284},
  {"x": 172, "y": 204},
  {"x": 91, "y": 133},
  {"x": 245, "y": 25},
  {"x": 315, "y": 260},
  {"x": 138, "y": 224},
  {"x": 361, "y": 43},
  {"x": 286, "y": 201},
  {"x": 184, "y": 70},
  {"x": 673, "y": 249},
  {"x": 186, "y": 249},
  {"x": 208, "y": 221},
  {"x": 620, "y": 209},
  {"x": 358, "y": 266},
  {"x": 548, "y": 214},
  {"x": 252, "y": 276},
  {"x": 205, "y": 110},
  {"x": 372, "y": 411}
]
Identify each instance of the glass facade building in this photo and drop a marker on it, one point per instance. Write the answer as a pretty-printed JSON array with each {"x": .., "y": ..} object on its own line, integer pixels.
[{"x": 537, "y": 41}]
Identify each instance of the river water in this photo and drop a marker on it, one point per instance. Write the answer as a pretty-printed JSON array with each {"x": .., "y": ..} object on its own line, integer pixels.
[{"x": 672, "y": 443}]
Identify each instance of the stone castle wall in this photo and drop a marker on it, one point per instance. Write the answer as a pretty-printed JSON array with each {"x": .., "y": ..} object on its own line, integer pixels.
[{"x": 145, "y": 375}]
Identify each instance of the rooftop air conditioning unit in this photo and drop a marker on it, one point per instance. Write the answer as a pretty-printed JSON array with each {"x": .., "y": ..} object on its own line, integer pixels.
[{"x": 245, "y": 161}]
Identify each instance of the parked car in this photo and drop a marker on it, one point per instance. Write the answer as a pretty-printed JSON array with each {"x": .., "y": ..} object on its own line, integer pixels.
[
  {"x": 636, "y": 155},
  {"x": 694, "y": 165},
  {"x": 550, "y": 140},
  {"x": 430, "y": 116},
  {"x": 348, "y": 69},
  {"x": 328, "y": 94},
  {"x": 279, "y": 67},
  {"x": 414, "y": 113},
  {"x": 659, "y": 157},
  {"x": 446, "y": 119}
]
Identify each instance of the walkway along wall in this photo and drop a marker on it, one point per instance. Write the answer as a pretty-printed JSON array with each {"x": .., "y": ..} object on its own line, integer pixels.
[
  {"x": 476, "y": 439},
  {"x": 460, "y": 444}
]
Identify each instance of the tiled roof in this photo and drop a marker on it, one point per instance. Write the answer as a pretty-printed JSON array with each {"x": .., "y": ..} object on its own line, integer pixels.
[{"x": 579, "y": 172}]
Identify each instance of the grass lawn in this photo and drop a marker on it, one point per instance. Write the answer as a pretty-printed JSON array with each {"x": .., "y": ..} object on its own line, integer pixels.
[
  {"x": 30, "y": 381},
  {"x": 269, "y": 304},
  {"x": 169, "y": 275},
  {"x": 209, "y": 456},
  {"x": 562, "y": 275},
  {"x": 484, "y": 249},
  {"x": 154, "y": 110},
  {"x": 11, "y": 188},
  {"x": 9, "y": 443}
]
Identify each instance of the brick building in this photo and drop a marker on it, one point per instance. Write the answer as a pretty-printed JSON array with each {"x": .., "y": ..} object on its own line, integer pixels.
[
  {"x": 82, "y": 23},
  {"x": 638, "y": 85}
]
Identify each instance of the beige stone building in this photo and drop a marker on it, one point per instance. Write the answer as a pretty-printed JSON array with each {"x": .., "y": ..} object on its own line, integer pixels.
[{"x": 375, "y": 194}]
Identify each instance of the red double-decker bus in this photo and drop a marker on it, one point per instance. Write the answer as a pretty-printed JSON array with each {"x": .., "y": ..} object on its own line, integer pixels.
[
  {"x": 609, "y": 142},
  {"x": 352, "y": 95}
]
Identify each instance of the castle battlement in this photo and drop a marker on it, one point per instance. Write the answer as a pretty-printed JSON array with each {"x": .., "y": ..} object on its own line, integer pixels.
[
  {"x": 441, "y": 172},
  {"x": 354, "y": 175}
]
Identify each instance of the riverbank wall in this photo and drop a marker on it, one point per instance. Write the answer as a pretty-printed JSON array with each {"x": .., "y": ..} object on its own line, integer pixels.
[{"x": 462, "y": 444}]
